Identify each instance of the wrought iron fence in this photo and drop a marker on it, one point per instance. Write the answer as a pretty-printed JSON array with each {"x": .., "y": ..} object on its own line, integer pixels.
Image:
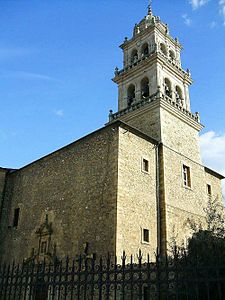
[{"x": 109, "y": 278}]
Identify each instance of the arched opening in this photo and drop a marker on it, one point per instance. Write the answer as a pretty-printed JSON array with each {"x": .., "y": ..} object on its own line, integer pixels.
[
  {"x": 179, "y": 95},
  {"x": 144, "y": 50},
  {"x": 134, "y": 56},
  {"x": 144, "y": 88},
  {"x": 168, "y": 90},
  {"x": 171, "y": 54},
  {"x": 163, "y": 49},
  {"x": 130, "y": 94}
]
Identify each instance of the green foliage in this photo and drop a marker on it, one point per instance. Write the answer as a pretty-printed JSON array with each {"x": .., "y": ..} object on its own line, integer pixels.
[{"x": 207, "y": 246}]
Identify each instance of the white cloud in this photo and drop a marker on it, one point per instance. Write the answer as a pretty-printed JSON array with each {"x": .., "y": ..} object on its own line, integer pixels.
[
  {"x": 187, "y": 20},
  {"x": 25, "y": 75},
  {"x": 222, "y": 9},
  {"x": 213, "y": 152},
  {"x": 59, "y": 113},
  {"x": 198, "y": 3}
]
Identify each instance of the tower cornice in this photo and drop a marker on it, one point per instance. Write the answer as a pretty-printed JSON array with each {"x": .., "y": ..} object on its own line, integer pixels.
[
  {"x": 148, "y": 61},
  {"x": 160, "y": 101},
  {"x": 158, "y": 29}
]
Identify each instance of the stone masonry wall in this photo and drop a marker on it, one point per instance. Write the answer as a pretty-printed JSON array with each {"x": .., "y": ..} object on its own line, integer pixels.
[
  {"x": 2, "y": 186},
  {"x": 136, "y": 206},
  {"x": 77, "y": 187},
  {"x": 183, "y": 203},
  {"x": 2, "y": 181},
  {"x": 180, "y": 136},
  {"x": 147, "y": 120}
]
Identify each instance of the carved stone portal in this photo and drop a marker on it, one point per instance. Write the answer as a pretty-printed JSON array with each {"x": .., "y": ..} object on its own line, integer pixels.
[{"x": 45, "y": 250}]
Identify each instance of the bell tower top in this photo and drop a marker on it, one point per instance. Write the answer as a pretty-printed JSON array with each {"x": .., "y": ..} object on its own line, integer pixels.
[
  {"x": 150, "y": 8},
  {"x": 152, "y": 63}
]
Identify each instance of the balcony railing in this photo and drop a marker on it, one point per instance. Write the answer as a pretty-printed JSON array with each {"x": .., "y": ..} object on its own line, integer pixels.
[{"x": 149, "y": 100}]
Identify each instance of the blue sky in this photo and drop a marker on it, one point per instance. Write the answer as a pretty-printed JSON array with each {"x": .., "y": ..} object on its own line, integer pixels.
[{"x": 57, "y": 59}]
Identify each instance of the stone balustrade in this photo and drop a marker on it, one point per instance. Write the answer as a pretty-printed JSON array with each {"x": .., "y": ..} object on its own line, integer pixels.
[
  {"x": 132, "y": 107},
  {"x": 148, "y": 56},
  {"x": 154, "y": 97}
]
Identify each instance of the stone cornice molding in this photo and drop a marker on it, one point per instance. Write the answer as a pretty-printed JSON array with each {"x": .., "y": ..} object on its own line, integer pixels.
[
  {"x": 152, "y": 59},
  {"x": 164, "y": 103}
]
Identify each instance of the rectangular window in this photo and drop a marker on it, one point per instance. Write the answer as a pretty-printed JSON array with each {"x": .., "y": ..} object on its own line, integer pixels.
[
  {"x": 145, "y": 165},
  {"x": 146, "y": 235},
  {"x": 209, "y": 189},
  {"x": 43, "y": 247},
  {"x": 16, "y": 217},
  {"x": 186, "y": 176}
]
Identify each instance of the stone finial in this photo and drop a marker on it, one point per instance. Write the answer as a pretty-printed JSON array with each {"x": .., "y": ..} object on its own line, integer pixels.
[
  {"x": 110, "y": 115},
  {"x": 167, "y": 29},
  {"x": 125, "y": 39},
  {"x": 188, "y": 72},
  {"x": 136, "y": 29},
  {"x": 116, "y": 72},
  {"x": 197, "y": 117}
]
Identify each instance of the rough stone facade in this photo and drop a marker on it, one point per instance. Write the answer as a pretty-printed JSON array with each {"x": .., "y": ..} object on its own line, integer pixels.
[
  {"x": 136, "y": 200},
  {"x": 161, "y": 109},
  {"x": 131, "y": 185},
  {"x": 76, "y": 187}
]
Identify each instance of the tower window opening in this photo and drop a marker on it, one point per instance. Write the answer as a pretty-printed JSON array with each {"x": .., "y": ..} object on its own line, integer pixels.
[
  {"x": 130, "y": 94},
  {"x": 179, "y": 96},
  {"x": 16, "y": 217},
  {"x": 172, "y": 55},
  {"x": 168, "y": 90},
  {"x": 134, "y": 56},
  {"x": 163, "y": 49},
  {"x": 144, "y": 88},
  {"x": 186, "y": 176},
  {"x": 144, "y": 50}
]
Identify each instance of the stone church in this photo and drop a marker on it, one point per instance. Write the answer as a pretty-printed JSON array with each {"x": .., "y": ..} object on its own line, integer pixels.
[{"x": 130, "y": 185}]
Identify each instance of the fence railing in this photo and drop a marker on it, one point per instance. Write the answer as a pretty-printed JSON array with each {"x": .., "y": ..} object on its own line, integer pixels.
[{"x": 113, "y": 279}]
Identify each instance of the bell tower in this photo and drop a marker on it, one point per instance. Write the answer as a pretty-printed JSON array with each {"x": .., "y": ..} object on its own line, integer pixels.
[
  {"x": 151, "y": 59},
  {"x": 153, "y": 97},
  {"x": 152, "y": 83}
]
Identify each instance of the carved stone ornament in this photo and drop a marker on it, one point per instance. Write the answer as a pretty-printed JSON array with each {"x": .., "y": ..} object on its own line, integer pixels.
[{"x": 45, "y": 251}]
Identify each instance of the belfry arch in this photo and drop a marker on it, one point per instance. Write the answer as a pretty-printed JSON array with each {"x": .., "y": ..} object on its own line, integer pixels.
[
  {"x": 167, "y": 87},
  {"x": 163, "y": 49},
  {"x": 130, "y": 94},
  {"x": 144, "y": 50},
  {"x": 134, "y": 56},
  {"x": 179, "y": 95},
  {"x": 145, "y": 88}
]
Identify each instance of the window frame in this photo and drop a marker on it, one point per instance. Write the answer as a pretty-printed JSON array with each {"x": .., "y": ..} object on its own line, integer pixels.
[
  {"x": 187, "y": 182},
  {"x": 209, "y": 189},
  {"x": 145, "y": 160},
  {"x": 16, "y": 217},
  {"x": 147, "y": 241}
]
